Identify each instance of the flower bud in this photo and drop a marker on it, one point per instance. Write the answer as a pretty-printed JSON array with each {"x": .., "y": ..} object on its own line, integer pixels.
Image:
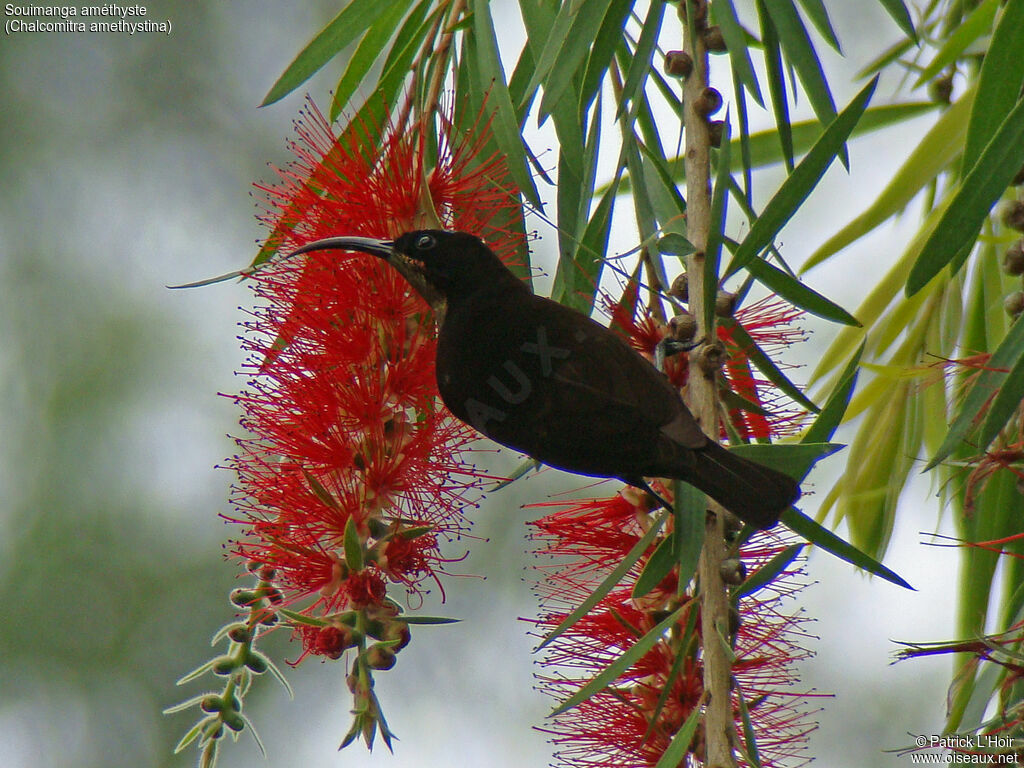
[
  {"x": 713, "y": 39},
  {"x": 257, "y": 663},
  {"x": 683, "y": 327},
  {"x": 680, "y": 288},
  {"x": 1014, "y": 304},
  {"x": 942, "y": 89},
  {"x": 732, "y": 570},
  {"x": 716, "y": 131},
  {"x": 224, "y": 666},
  {"x": 243, "y": 598},
  {"x": 397, "y": 630},
  {"x": 1013, "y": 215},
  {"x": 725, "y": 303},
  {"x": 212, "y": 703},
  {"x": 678, "y": 64},
  {"x": 711, "y": 357},
  {"x": 1013, "y": 259},
  {"x": 234, "y": 721},
  {"x": 380, "y": 657},
  {"x": 709, "y": 102}
]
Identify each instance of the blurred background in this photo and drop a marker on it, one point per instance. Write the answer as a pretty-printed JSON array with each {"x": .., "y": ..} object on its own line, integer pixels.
[{"x": 127, "y": 163}]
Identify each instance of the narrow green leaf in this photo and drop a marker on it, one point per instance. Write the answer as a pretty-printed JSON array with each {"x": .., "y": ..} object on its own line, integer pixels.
[
  {"x": 937, "y": 149},
  {"x": 983, "y": 185},
  {"x": 820, "y": 536},
  {"x": 999, "y": 82},
  {"x": 348, "y": 25},
  {"x": 885, "y": 58},
  {"x": 600, "y": 50},
  {"x": 640, "y": 62},
  {"x": 804, "y": 59},
  {"x": 610, "y": 581},
  {"x": 658, "y": 566},
  {"x": 901, "y": 16},
  {"x": 713, "y": 249},
  {"x": 764, "y": 364},
  {"x": 749, "y": 738},
  {"x": 578, "y": 279},
  {"x": 353, "y": 546},
  {"x": 801, "y": 181},
  {"x": 506, "y": 122},
  {"x": 547, "y": 41},
  {"x": 428, "y": 620},
  {"x": 301, "y": 618},
  {"x": 977, "y": 23},
  {"x": 609, "y": 674},
  {"x": 723, "y": 13},
  {"x": 795, "y": 459},
  {"x": 1006, "y": 357},
  {"x": 776, "y": 82},
  {"x": 831, "y": 414},
  {"x": 367, "y": 52},
  {"x": 1005, "y": 404},
  {"x": 690, "y": 518},
  {"x": 797, "y": 293},
  {"x": 816, "y": 12},
  {"x": 191, "y": 735},
  {"x": 675, "y": 752},
  {"x": 767, "y": 573}
]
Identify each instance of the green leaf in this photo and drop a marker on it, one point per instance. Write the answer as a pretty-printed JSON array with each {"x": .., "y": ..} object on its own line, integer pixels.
[
  {"x": 795, "y": 459},
  {"x": 831, "y": 414},
  {"x": 1005, "y": 358},
  {"x": 602, "y": 47},
  {"x": 690, "y": 516},
  {"x": 675, "y": 753},
  {"x": 767, "y": 573},
  {"x": 798, "y": 294},
  {"x": 609, "y": 674},
  {"x": 723, "y": 13},
  {"x": 935, "y": 151},
  {"x": 749, "y": 738},
  {"x": 713, "y": 248},
  {"x": 431, "y": 620},
  {"x": 610, "y": 581},
  {"x": 348, "y": 25},
  {"x": 801, "y": 54},
  {"x": 776, "y": 82},
  {"x": 816, "y": 12},
  {"x": 547, "y": 50},
  {"x": 977, "y": 23},
  {"x": 1005, "y": 404},
  {"x": 999, "y": 82},
  {"x": 353, "y": 546},
  {"x": 658, "y": 566},
  {"x": 367, "y": 52},
  {"x": 800, "y": 182},
  {"x": 978, "y": 192},
  {"x": 901, "y": 16},
  {"x": 506, "y": 122},
  {"x": 640, "y": 62},
  {"x": 820, "y": 536}
]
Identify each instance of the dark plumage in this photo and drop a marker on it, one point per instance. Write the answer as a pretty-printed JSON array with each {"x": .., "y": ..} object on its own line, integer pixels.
[{"x": 546, "y": 380}]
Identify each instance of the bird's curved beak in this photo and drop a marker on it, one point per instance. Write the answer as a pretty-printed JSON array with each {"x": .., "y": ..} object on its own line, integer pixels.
[{"x": 411, "y": 269}]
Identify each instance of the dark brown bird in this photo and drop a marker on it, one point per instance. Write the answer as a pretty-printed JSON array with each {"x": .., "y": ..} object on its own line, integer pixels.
[{"x": 546, "y": 380}]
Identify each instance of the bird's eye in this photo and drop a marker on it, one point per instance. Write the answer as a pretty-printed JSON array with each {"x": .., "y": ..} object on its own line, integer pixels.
[{"x": 425, "y": 242}]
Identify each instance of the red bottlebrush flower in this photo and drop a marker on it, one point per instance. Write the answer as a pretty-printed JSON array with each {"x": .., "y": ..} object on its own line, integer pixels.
[
  {"x": 633, "y": 720},
  {"x": 769, "y": 322},
  {"x": 354, "y": 473}
]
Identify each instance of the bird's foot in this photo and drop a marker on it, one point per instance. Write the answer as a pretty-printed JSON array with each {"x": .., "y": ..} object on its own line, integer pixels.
[{"x": 668, "y": 347}]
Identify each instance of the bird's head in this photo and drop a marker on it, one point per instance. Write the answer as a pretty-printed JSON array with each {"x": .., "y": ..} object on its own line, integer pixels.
[{"x": 441, "y": 266}]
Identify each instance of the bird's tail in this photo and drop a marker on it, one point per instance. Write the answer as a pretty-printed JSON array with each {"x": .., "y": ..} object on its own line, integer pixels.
[{"x": 753, "y": 492}]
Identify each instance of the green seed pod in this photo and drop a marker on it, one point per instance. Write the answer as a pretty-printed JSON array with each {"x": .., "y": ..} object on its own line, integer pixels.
[
  {"x": 234, "y": 721},
  {"x": 224, "y": 666},
  {"x": 212, "y": 703},
  {"x": 713, "y": 39}
]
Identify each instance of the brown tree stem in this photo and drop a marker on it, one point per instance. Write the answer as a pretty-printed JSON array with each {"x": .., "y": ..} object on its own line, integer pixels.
[{"x": 701, "y": 392}]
